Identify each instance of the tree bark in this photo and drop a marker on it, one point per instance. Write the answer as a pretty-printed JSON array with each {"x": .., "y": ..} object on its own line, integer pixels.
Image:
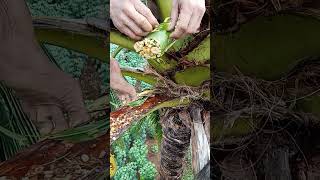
[
  {"x": 174, "y": 145},
  {"x": 204, "y": 174},
  {"x": 199, "y": 142}
]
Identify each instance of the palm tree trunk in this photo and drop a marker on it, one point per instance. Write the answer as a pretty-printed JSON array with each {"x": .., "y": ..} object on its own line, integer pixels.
[
  {"x": 199, "y": 140},
  {"x": 174, "y": 145}
]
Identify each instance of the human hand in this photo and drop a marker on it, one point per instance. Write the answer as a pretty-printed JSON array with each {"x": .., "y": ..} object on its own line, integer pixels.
[
  {"x": 45, "y": 91},
  {"x": 186, "y": 16},
  {"x": 45, "y": 94},
  {"x": 126, "y": 92},
  {"x": 132, "y": 18},
  {"x": 46, "y": 103}
]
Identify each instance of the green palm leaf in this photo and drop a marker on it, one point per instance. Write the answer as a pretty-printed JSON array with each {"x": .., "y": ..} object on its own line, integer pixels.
[
  {"x": 16, "y": 129},
  {"x": 82, "y": 133}
]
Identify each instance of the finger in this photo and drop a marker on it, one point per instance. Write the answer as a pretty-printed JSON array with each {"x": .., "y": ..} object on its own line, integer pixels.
[
  {"x": 193, "y": 25},
  {"x": 121, "y": 97},
  {"x": 133, "y": 97},
  {"x": 182, "y": 24},
  {"x": 146, "y": 12},
  {"x": 139, "y": 19},
  {"x": 174, "y": 14},
  {"x": 133, "y": 26},
  {"x": 196, "y": 19},
  {"x": 127, "y": 95},
  {"x": 73, "y": 103},
  {"x": 127, "y": 98},
  {"x": 131, "y": 34},
  {"x": 133, "y": 94},
  {"x": 125, "y": 30}
]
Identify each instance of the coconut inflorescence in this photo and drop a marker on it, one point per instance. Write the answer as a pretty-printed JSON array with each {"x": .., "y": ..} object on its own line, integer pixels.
[{"x": 156, "y": 43}]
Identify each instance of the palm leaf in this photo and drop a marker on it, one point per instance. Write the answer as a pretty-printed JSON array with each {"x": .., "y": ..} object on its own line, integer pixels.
[
  {"x": 83, "y": 133},
  {"x": 16, "y": 129},
  {"x": 114, "y": 100},
  {"x": 268, "y": 47},
  {"x": 20, "y": 139},
  {"x": 77, "y": 35}
]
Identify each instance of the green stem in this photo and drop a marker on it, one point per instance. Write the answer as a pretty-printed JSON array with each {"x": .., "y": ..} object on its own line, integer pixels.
[
  {"x": 193, "y": 76},
  {"x": 71, "y": 34},
  {"x": 174, "y": 103},
  {"x": 121, "y": 40},
  {"x": 200, "y": 54},
  {"x": 163, "y": 64},
  {"x": 165, "y": 7},
  {"x": 150, "y": 79},
  {"x": 178, "y": 102}
]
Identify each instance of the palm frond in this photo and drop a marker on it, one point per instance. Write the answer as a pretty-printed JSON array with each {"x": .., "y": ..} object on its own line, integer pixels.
[
  {"x": 114, "y": 100},
  {"x": 82, "y": 133},
  {"x": 17, "y": 130}
]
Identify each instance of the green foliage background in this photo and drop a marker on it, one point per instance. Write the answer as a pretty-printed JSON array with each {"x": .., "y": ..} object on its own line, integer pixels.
[{"x": 131, "y": 150}]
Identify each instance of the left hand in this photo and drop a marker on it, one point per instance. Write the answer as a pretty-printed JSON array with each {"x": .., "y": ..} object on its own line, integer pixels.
[
  {"x": 45, "y": 91},
  {"x": 132, "y": 18},
  {"x": 186, "y": 16},
  {"x": 125, "y": 91}
]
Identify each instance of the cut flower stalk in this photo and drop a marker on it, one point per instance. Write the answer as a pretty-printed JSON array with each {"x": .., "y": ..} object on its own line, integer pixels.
[{"x": 156, "y": 43}]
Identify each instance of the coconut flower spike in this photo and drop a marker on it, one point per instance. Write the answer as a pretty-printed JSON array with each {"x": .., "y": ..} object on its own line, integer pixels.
[{"x": 156, "y": 43}]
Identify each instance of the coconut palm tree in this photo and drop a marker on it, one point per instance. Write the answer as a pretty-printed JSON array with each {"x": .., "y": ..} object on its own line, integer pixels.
[{"x": 180, "y": 73}]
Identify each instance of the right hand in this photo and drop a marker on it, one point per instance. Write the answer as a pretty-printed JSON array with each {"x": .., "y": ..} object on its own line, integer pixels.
[
  {"x": 132, "y": 18},
  {"x": 186, "y": 16}
]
